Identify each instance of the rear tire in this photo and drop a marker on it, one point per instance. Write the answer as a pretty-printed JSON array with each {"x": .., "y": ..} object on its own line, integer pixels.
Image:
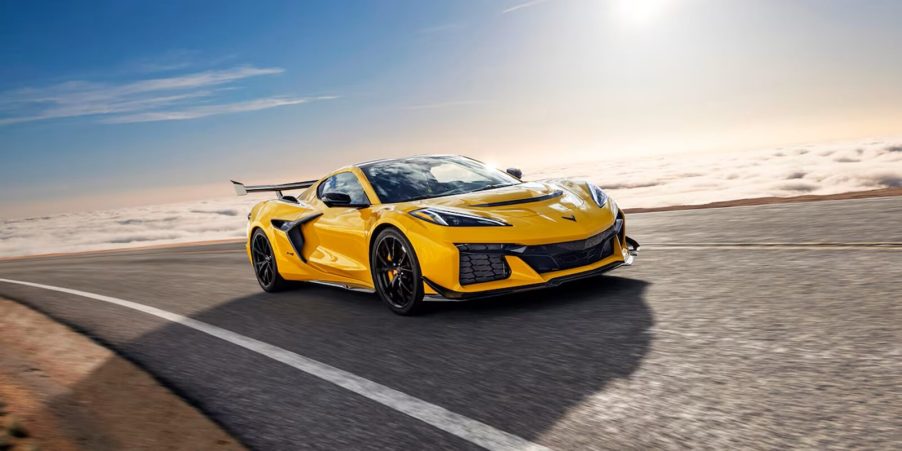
[
  {"x": 264, "y": 261},
  {"x": 396, "y": 273}
]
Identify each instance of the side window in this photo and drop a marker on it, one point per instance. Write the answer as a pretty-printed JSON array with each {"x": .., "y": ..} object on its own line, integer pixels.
[{"x": 344, "y": 182}]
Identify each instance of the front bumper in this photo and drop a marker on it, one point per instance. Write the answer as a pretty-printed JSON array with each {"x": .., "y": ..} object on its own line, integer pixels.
[
  {"x": 537, "y": 251},
  {"x": 446, "y": 294},
  {"x": 628, "y": 253}
]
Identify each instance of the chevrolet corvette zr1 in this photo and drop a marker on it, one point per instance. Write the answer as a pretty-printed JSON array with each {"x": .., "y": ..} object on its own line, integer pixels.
[{"x": 434, "y": 228}]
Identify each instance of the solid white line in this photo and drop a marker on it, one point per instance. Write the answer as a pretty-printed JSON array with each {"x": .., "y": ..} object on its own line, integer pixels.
[
  {"x": 776, "y": 244},
  {"x": 466, "y": 428},
  {"x": 653, "y": 247}
]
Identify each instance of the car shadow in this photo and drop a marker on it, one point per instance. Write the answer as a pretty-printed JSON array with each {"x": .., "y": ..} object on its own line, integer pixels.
[{"x": 517, "y": 363}]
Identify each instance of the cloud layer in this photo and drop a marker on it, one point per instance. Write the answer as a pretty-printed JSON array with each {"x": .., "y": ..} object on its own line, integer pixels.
[
  {"x": 702, "y": 178},
  {"x": 126, "y": 227},
  {"x": 181, "y": 97},
  {"x": 634, "y": 182}
]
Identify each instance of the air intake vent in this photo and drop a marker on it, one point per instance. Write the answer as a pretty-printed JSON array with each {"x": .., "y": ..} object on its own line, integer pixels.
[{"x": 478, "y": 268}]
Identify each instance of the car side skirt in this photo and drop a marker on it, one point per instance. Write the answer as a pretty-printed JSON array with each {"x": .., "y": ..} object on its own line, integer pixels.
[{"x": 345, "y": 286}]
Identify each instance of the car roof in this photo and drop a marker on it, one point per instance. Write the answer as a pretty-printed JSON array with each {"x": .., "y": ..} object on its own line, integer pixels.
[{"x": 415, "y": 157}]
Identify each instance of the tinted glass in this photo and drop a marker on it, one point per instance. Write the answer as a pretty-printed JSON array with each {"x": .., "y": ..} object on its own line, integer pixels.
[
  {"x": 426, "y": 177},
  {"x": 346, "y": 183}
]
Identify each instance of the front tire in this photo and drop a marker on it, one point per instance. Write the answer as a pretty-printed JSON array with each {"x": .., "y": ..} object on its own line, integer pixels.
[
  {"x": 264, "y": 261},
  {"x": 396, "y": 273}
]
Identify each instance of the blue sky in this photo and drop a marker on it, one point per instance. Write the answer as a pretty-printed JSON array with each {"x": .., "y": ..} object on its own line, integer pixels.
[{"x": 125, "y": 102}]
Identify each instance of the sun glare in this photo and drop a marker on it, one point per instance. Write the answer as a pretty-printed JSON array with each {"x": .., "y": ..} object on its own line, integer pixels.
[{"x": 640, "y": 12}]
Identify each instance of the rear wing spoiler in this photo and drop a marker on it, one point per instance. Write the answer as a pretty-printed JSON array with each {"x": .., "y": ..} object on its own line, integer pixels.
[{"x": 241, "y": 189}]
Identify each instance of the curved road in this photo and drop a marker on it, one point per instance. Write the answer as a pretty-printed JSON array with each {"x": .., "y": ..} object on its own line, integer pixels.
[{"x": 757, "y": 327}]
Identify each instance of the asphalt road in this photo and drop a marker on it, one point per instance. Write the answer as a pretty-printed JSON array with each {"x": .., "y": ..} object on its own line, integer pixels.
[{"x": 755, "y": 327}]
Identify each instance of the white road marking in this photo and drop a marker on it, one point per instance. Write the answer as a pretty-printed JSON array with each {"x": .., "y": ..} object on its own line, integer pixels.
[
  {"x": 466, "y": 428},
  {"x": 787, "y": 248},
  {"x": 803, "y": 244},
  {"x": 875, "y": 246}
]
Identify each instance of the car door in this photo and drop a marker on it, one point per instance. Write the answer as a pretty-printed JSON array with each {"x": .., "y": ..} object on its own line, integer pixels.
[{"x": 339, "y": 238}]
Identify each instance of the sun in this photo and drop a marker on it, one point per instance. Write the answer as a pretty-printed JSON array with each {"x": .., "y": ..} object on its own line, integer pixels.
[{"x": 640, "y": 12}]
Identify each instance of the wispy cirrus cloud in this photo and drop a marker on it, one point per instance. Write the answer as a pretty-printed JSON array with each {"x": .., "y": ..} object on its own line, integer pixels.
[
  {"x": 212, "y": 110},
  {"x": 523, "y": 5},
  {"x": 175, "y": 59},
  {"x": 180, "y": 97}
]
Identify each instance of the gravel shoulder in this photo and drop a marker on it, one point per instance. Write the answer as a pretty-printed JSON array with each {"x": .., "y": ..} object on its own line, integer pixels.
[{"x": 66, "y": 392}]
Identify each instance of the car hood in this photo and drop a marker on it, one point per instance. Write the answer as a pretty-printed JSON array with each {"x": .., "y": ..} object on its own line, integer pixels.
[{"x": 565, "y": 204}]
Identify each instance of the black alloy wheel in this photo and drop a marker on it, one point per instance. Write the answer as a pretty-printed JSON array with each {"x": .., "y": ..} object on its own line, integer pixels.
[
  {"x": 396, "y": 272},
  {"x": 265, "y": 263}
]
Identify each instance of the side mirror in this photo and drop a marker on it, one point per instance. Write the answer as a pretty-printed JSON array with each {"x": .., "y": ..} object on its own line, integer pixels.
[
  {"x": 336, "y": 199},
  {"x": 515, "y": 172}
]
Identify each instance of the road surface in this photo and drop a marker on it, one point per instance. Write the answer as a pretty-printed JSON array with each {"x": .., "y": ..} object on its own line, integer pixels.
[{"x": 756, "y": 327}]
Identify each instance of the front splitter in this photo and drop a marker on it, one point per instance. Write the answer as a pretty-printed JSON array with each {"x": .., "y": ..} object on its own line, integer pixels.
[{"x": 445, "y": 294}]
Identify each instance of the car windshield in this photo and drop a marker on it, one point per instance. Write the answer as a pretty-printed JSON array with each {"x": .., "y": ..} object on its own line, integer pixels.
[{"x": 427, "y": 177}]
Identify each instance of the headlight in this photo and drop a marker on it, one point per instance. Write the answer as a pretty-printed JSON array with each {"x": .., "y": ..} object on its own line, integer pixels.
[
  {"x": 454, "y": 218},
  {"x": 598, "y": 195}
]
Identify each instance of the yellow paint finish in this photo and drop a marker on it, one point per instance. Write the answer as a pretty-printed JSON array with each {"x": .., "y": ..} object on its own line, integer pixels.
[{"x": 337, "y": 244}]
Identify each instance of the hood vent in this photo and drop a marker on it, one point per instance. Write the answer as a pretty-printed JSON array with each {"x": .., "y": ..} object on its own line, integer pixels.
[{"x": 527, "y": 200}]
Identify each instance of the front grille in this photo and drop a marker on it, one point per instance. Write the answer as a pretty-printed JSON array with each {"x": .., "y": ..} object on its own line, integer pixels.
[
  {"x": 485, "y": 262},
  {"x": 478, "y": 268},
  {"x": 571, "y": 254}
]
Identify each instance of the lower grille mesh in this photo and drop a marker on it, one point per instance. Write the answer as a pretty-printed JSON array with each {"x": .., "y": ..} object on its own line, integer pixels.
[
  {"x": 555, "y": 257},
  {"x": 478, "y": 268},
  {"x": 485, "y": 262}
]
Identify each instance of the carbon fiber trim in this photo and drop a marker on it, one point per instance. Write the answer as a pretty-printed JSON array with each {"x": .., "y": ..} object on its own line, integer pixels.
[
  {"x": 294, "y": 232},
  {"x": 502, "y": 203},
  {"x": 461, "y": 296}
]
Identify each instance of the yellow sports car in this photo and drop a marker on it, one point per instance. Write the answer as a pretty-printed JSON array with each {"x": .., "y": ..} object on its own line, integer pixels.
[{"x": 436, "y": 227}]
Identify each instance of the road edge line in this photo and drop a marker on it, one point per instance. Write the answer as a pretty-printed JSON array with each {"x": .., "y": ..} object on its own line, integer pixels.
[{"x": 471, "y": 430}]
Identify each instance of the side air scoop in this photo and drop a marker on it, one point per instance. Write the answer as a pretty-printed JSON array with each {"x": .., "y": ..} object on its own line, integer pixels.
[{"x": 294, "y": 232}]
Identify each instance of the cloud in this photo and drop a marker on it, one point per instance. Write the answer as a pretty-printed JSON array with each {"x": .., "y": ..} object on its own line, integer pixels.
[
  {"x": 171, "y": 60},
  {"x": 520, "y": 6},
  {"x": 211, "y": 110},
  {"x": 106, "y": 106},
  {"x": 659, "y": 181},
  {"x": 166, "y": 98},
  {"x": 888, "y": 180},
  {"x": 174, "y": 60},
  {"x": 207, "y": 78},
  {"x": 799, "y": 187},
  {"x": 128, "y": 227},
  {"x": 703, "y": 178}
]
